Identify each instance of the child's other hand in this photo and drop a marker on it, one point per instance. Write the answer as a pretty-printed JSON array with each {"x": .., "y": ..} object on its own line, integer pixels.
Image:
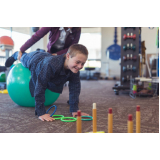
[
  {"x": 82, "y": 114},
  {"x": 19, "y": 55},
  {"x": 46, "y": 117}
]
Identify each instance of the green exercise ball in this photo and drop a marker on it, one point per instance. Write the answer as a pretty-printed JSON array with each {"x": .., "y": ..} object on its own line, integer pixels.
[
  {"x": 2, "y": 77},
  {"x": 18, "y": 88}
]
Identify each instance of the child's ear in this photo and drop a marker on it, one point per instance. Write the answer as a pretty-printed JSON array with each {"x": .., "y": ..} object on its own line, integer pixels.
[{"x": 67, "y": 55}]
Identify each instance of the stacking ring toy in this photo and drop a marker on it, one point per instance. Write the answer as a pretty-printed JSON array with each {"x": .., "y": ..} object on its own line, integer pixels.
[
  {"x": 86, "y": 117},
  {"x": 72, "y": 119},
  {"x": 54, "y": 110},
  {"x": 60, "y": 116}
]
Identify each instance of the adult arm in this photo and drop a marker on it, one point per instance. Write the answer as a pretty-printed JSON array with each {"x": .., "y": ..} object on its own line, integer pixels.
[{"x": 35, "y": 37}]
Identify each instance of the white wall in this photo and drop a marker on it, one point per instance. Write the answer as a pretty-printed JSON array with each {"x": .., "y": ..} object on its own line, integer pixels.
[{"x": 149, "y": 36}]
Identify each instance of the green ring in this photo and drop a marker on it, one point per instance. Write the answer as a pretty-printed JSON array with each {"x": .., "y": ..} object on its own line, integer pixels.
[
  {"x": 60, "y": 116},
  {"x": 73, "y": 119},
  {"x": 87, "y": 117}
]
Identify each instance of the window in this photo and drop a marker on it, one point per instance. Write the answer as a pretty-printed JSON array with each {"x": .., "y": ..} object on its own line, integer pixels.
[{"x": 93, "y": 43}]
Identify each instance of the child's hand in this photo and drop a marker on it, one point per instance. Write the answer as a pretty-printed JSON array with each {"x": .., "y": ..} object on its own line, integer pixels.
[
  {"x": 46, "y": 117},
  {"x": 82, "y": 114},
  {"x": 19, "y": 55}
]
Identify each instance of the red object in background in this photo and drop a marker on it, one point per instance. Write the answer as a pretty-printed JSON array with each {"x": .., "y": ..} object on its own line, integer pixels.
[
  {"x": 5, "y": 40},
  {"x": 125, "y": 36}
]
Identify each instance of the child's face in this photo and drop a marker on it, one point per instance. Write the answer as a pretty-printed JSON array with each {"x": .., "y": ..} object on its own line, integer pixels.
[{"x": 76, "y": 63}]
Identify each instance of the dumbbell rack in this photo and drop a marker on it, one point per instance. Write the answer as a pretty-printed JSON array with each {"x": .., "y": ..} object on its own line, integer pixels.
[{"x": 129, "y": 57}]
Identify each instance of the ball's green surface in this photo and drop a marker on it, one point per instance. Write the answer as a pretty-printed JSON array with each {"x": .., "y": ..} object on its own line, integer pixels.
[{"x": 18, "y": 88}]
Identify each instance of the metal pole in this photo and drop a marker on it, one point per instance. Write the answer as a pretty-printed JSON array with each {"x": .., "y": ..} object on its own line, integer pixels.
[{"x": 11, "y": 31}]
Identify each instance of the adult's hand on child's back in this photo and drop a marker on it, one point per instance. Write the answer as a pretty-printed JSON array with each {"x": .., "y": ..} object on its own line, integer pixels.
[
  {"x": 19, "y": 55},
  {"x": 82, "y": 114},
  {"x": 46, "y": 117}
]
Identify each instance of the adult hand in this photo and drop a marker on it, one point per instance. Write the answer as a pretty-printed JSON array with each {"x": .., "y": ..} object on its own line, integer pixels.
[
  {"x": 19, "y": 55},
  {"x": 82, "y": 114},
  {"x": 46, "y": 117},
  {"x": 54, "y": 54}
]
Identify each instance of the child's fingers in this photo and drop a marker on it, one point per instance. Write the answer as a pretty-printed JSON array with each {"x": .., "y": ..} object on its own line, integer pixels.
[
  {"x": 19, "y": 55},
  {"x": 51, "y": 119},
  {"x": 41, "y": 118},
  {"x": 84, "y": 114},
  {"x": 74, "y": 114}
]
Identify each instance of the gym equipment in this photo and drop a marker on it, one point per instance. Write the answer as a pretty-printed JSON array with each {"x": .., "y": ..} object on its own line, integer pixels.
[
  {"x": 124, "y": 79},
  {"x": 133, "y": 36},
  {"x": 71, "y": 119},
  {"x": 124, "y": 69},
  {"x": 110, "y": 121},
  {"x": 4, "y": 91},
  {"x": 130, "y": 124},
  {"x": 134, "y": 89},
  {"x": 134, "y": 58},
  {"x": 2, "y": 77},
  {"x": 60, "y": 116},
  {"x": 138, "y": 119},
  {"x": 6, "y": 44},
  {"x": 50, "y": 109},
  {"x": 94, "y": 113},
  {"x": 79, "y": 122},
  {"x": 115, "y": 49},
  {"x": 129, "y": 46},
  {"x": 129, "y": 57},
  {"x": 18, "y": 88},
  {"x": 89, "y": 77},
  {"x": 89, "y": 118},
  {"x": 133, "y": 47},
  {"x": 134, "y": 68},
  {"x": 124, "y": 58}
]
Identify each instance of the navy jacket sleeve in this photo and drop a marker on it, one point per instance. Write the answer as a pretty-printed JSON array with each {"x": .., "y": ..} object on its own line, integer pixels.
[
  {"x": 41, "y": 85},
  {"x": 74, "y": 92}
]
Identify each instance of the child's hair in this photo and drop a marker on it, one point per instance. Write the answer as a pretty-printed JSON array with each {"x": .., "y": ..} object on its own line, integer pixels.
[{"x": 77, "y": 48}]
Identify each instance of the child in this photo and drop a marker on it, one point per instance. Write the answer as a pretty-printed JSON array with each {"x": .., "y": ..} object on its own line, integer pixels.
[{"x": 52, "y": 72}]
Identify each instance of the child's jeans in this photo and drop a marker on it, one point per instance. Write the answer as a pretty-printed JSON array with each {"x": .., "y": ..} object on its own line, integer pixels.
[{"x": 27, "y": 57}]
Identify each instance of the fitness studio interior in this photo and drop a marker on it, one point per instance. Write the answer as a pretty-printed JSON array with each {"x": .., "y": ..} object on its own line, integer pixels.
[{"x": 119, "y": 83}]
